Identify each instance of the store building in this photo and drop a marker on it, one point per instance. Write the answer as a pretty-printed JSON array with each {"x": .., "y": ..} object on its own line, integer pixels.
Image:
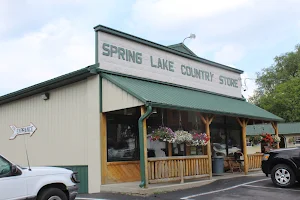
[
  {"x": 96, "y": 119},
  {"x": 289, "y": 134}
]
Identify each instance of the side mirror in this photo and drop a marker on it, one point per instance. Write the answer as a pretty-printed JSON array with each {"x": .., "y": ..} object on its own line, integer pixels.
[{"x": 14, "y": 169}]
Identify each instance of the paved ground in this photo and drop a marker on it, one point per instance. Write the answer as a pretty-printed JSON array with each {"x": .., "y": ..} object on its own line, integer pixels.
[{"x": 241, "y": 188}]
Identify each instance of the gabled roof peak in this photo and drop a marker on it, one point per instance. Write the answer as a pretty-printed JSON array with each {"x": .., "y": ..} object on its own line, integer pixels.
[{"x": 182, "y": 48}]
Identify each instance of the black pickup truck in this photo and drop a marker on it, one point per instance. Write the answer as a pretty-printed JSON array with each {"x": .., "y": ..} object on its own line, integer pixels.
[{"x": 283, "y": 165}]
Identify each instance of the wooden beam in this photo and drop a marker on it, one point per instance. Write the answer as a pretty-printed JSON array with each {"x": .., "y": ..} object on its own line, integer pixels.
[
  {"x": 275, "y": 127},
  {"x": 246, "y": 123},
  {"x": 143, "y": 110},
  {"x": 239, "y": 121},
  {"x": 103, "y": 139},
  {"x": 211, "y": 119},
  {"x": 203, "y": 119},
  {"x": 243, "y": 123},
  {"x": 206, "y": 120}
]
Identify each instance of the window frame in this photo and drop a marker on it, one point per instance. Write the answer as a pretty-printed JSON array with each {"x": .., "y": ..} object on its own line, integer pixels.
[
  {"x": 297, "y": 139},
  {"x": 125, "y": 120}
]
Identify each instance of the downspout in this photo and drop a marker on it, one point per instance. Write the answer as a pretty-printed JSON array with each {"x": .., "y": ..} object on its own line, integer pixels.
[{"x": 142, "y": 145}]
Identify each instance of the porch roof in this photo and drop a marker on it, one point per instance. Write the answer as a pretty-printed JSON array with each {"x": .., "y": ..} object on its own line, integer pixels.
[
  {"x": 169, "y": 96},
  {"x": 283, "y": 128}
]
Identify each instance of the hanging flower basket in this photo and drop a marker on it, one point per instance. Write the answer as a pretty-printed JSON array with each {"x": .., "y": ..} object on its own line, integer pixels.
[
  {"x": 183, "y": 137},
  {"x": 255, "y": 140},
  {"x": 200, "y": 139},
  {"x": 276, "y": 139},
  {"x": 163, "y": 134},
  {"x": 267, "y": 138}
]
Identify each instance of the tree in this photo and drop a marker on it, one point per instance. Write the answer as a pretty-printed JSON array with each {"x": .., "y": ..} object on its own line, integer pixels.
[{"x": 279, "y": 87}]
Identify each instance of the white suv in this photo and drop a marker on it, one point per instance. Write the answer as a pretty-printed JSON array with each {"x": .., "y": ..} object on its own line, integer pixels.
[{"x": 41, "y": 183}]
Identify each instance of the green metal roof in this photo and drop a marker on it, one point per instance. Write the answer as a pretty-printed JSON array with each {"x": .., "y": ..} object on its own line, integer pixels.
[
  {"x": 168, "y": 96},
  {"x": 163, "y": 48},
  {"x": 283, "y": 128},
  {"x": 60, "y": 81},
  {"x": 181, "y": 47}
]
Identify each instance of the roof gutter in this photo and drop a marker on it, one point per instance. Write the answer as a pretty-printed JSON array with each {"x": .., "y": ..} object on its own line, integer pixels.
[{"x": 142, "y": 145}]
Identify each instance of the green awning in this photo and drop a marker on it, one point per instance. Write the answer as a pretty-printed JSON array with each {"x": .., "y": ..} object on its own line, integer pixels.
[
  {"x": 283, "y": 128},
  {"x": 167, "y": 96}
]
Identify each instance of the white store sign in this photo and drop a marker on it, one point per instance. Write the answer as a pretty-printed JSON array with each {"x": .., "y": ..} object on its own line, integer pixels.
[{"x": 124, "y": 56}]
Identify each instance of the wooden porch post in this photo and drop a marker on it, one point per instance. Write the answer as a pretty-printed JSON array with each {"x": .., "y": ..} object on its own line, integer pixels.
[
  {"x": 243, "y": 123},
  {"x": 275, "y": 127},
  {"x": 207, "y": 121},
  {"x": 103, "y": 139},
  {"x": 143, "y": 110}
]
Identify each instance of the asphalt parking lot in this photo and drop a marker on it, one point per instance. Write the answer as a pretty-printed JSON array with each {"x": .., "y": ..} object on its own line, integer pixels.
[{"x": 241, "y": 188}]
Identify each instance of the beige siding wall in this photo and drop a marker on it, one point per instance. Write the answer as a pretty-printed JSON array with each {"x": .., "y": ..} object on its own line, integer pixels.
[
  {"x": 115, "y": 98},
  {"x": 290, "y": 145},
  {"x": 61, "y": 124},
  {"x": 68, "y": 129}
]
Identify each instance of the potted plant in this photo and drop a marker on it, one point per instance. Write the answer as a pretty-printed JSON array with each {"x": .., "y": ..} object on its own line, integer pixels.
[
  {"x": 255, "y": 140},
  {"x": 200, "y": 139},
  {"x": 182, "y": 137},
  {"x": 276, "y": 139},
  {"x": 163, "y": 134},
  {"x": 266, "y": 141}
]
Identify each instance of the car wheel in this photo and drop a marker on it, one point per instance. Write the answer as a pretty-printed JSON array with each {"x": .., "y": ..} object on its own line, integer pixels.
[
  {"x": 52, "y": 194},
  {"x": 283, "y": 176}
]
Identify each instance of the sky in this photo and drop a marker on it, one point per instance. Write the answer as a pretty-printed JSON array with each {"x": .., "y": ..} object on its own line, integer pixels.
[{"x": 40, "y": 40}]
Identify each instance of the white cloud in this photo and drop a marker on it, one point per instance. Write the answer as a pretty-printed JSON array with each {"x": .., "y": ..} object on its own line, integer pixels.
[
  {"x": 45, "y": 39},
  {"x": 55, "y": 49},
  {"x": 229, "y": 54},
  {"x": 167, "y": 14}
]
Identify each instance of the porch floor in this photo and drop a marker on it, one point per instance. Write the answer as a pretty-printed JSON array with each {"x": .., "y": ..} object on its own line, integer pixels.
[{"x": 133, "y": 188}]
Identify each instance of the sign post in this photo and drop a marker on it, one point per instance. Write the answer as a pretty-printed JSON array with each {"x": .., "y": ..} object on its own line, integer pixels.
[{"x": 23, "y": 131}]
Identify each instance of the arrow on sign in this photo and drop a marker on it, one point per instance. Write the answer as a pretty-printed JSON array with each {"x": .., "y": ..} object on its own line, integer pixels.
[{"x": 22, "y": 131}]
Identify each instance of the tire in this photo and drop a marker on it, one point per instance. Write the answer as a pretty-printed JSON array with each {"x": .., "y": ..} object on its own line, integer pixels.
[
  {"x": 52, "y": 194},
  {"x": 283, "y": 176}
]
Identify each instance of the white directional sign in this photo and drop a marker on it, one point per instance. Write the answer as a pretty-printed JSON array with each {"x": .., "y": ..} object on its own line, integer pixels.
[{"x": 22, "y": 131}]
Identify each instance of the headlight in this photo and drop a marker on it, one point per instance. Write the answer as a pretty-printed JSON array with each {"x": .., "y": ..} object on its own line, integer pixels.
[
  {"x": 266, "y": 156},
  {"x": 74, "y": 177}
]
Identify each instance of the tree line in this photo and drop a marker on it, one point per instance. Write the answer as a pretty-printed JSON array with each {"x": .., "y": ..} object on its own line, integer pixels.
[{"x": 279, "y": 87}]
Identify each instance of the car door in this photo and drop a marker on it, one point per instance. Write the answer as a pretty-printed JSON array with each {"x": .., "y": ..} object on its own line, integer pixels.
[
  {"x": 296, "y": 157},
  {"x": 11, "y": 186}
]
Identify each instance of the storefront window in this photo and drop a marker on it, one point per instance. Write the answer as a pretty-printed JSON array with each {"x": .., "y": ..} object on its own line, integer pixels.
[
  {"x": 175, "y": 120},
  {"x": 225, "y": 136},
  {"x": 122, "y": 135}
]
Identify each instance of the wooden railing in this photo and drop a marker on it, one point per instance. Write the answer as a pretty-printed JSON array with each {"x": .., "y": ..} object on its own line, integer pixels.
[
  {"x": 254, "y": 161},
  {"x": 175, "y": 168}
]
